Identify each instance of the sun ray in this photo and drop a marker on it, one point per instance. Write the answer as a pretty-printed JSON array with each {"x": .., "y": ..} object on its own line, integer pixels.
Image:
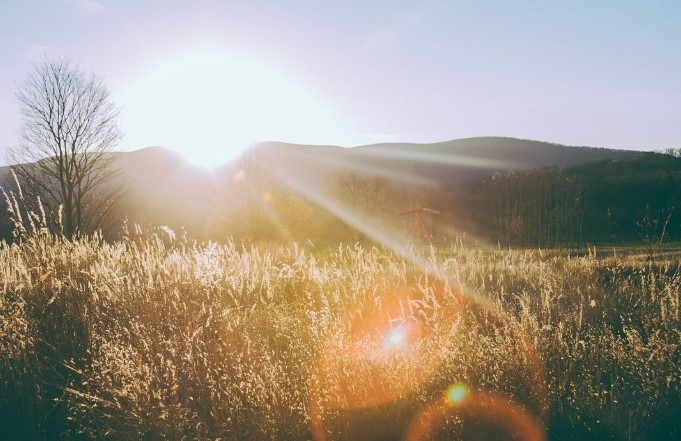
[
  {"x": 382, "y": 233},
  {"x": 438, "y": 158}
]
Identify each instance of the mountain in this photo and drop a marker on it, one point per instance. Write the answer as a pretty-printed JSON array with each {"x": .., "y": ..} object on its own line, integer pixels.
[
  {"x": 164, "y": 189},
  {"x": 161, "y": 187},
  {"x": 450, "y": 162}
]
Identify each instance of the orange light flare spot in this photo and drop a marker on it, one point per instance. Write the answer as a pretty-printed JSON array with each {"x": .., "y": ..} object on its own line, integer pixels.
[
  {"x": 402, "y": 336},
  {"x": 381, "y": 352},
  {"x": 456, "y": 394},
  {"x": 389, "y": 351},
  {"x": 481, "y": 414}
]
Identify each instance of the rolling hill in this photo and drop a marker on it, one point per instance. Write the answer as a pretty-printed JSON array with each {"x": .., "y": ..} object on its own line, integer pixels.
[
  {"x": 163, "y": 188},
  {"x": 450, "y": 162}
]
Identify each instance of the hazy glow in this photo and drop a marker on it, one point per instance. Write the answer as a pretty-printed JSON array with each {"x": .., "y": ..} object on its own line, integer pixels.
[
  {"x": 380, "y": 352},
  {"x": 264, "y": 200},
  {"x": 239, "y": 176},
  {"x": 438, "y": 158},
  {"x": 392, "y": 239},
  {"x": 396, "y": 338},
  {"x": 456, "y": 393},
  {"x": 360, "y": 166},
  {"x": 210, "y": 107}
]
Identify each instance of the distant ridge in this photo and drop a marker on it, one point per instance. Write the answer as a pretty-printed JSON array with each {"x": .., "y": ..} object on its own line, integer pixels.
[
  {"x": 163, "y": 188},
  {"x": 448, "y": 162},
  {"x": 160, "y": 173}
]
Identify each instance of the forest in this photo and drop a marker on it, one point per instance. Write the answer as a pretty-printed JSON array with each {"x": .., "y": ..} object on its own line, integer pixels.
[{"x": 606, "y": 203}]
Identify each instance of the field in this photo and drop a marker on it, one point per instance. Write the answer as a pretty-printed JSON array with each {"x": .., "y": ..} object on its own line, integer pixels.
[{"x": 158, "y": 337}]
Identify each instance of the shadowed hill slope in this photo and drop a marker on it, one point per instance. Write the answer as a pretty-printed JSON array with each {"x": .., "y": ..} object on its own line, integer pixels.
[
  {"x": 164, "y": 189},
  {"x": 449, "y": 162}
]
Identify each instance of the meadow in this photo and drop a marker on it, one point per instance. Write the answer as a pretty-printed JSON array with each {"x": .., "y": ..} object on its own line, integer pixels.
[{"x": 159, "y": 337}]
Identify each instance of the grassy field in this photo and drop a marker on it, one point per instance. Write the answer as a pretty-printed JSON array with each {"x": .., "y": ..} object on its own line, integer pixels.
[{"x": 156, "y": 337}]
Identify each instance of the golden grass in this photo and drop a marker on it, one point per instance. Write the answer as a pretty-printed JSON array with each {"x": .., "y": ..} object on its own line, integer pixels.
[{"x": 160, "y": 338}]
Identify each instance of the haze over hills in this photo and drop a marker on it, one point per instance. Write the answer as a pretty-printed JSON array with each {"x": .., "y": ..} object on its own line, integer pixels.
[
  {"x": 163, "y": 188},
  {"x": 163, "y": 181},
  {"x": 156, "y": 168},
  {"x": 449, "y": 162}
]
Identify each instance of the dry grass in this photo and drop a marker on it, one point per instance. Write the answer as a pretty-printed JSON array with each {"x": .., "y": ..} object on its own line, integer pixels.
[{"x": 159, "y": 338}]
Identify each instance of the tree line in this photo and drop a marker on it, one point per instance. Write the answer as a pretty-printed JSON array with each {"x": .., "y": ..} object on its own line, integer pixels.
[
  {"x": 605, "y": 202},
  {"x": 629, "y": 201}
]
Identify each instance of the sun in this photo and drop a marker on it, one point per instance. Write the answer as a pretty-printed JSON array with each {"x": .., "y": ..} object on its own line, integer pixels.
[{"x": 210, "y": 107}]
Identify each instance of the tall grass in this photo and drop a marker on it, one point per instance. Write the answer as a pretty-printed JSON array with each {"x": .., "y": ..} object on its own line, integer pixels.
[{"x": 156, "y": 337}]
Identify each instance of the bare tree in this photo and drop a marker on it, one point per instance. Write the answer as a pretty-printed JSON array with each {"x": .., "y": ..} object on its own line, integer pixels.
[
  {"x": 364, "y": 194},
  {"x": 64, "y": 155}
]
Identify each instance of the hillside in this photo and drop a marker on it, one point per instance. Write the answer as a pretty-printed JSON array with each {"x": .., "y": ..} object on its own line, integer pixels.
[
  {"x": 450, "y": 162},
  {"x": 164, "y": 189},
  {"x": 159, "y": 188},
  {"x": 612, "y": 201}
]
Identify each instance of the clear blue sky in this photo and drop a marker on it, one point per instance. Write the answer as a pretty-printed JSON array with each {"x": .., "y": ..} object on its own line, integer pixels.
[{"x": 599, "y": 73}]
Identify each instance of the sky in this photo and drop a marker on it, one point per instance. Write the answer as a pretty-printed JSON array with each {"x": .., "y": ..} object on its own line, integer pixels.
[{"x": 207, "y": 77}]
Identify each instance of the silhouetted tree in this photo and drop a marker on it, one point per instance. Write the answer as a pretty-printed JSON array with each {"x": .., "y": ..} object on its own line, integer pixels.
[{"x": 64, "y": 155}]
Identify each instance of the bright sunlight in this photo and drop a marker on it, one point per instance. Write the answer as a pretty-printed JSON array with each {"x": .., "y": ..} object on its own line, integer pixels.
[{"x": 210, "y": 107}]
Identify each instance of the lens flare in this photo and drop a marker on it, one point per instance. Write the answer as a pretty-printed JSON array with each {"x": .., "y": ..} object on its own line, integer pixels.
[
  {"x": 393, "y": 351},
  {"x": 396, "y": 338},
  {"x": 402, "y": 345},
  {"x": 456, "y": 394},
  {"x": 382, "y": 350},
  {"x": 480, "y": 415}
]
